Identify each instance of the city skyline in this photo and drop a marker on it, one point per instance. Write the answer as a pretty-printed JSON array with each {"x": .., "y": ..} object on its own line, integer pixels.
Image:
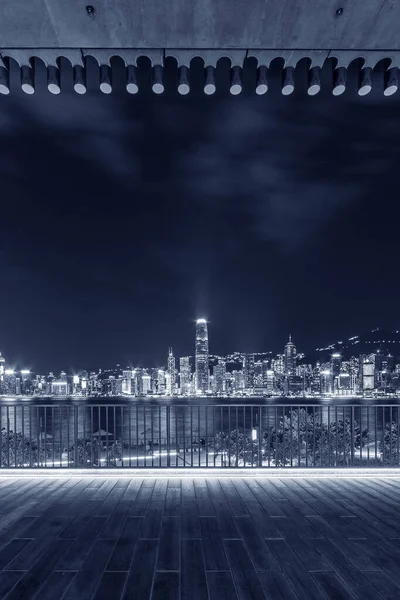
[{"x": 289, "y": 373}]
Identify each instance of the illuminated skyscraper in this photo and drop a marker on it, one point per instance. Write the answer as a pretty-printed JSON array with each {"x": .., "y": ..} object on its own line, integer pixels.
[
  {"x": 258, "y": 374},
  {"x": 146, "y": 379},
  {"x": 201, "y": 360},
  {"x": 290, "y": 358},
  {"x": 127, "y": 382},
  {"x": 326, "y": 382},
  {"x": 161, "y": 381},
  {"x": 269, "y": 380},
  {"x": 185, "y": 374},
  {"x": 248, "y": 369},
  {"x": 220, "y": 376},
  {"x": 336, "y": 361},
  {"x": 171, "y": 370},
  {"x": 278, "y": 364},
  {"x": 368, "y": 374}
]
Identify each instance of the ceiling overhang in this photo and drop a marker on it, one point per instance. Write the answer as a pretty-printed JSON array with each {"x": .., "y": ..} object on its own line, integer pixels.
[{"x": 290, "y": 30}]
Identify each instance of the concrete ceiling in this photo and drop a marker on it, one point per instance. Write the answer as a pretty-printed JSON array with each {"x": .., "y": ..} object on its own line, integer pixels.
[{"x": 258, "y": 24}]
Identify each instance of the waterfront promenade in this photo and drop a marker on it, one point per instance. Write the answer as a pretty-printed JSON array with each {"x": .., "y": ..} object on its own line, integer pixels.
[{"x": 145, "y": 536}]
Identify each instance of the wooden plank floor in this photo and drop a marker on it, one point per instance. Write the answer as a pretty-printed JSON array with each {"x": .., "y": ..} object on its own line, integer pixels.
[{"x": 201, "y": 539}]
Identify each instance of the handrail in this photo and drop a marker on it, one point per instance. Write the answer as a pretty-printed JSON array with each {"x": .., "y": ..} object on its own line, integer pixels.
[{"x": 199, "y": 435}]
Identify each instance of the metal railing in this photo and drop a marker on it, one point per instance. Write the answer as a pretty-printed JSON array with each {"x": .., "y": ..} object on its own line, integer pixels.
[{"x": 141, "y": 435}]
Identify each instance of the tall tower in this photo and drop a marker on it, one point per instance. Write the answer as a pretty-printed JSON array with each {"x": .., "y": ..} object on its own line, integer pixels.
[
  {"x": 201, "y": 360},
  {"x": 171, "y": 369},
  {"x": 248, "y": 368},
  {"x": 185, "y": 374},
  {"x": 290, "y": 358}
]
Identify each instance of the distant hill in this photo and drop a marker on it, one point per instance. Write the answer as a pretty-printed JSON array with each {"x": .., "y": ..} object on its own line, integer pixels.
[{"x": 386, "y": 341}]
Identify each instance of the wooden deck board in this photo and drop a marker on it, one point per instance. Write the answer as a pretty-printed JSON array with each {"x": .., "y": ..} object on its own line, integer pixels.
[{"x": 203, "y": 539}]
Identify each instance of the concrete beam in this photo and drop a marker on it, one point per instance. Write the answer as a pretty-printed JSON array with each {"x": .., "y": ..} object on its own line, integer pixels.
[{"x": 215, "y": 24}]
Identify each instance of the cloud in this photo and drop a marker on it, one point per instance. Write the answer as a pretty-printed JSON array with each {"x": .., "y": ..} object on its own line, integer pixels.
[
  {"x": 262, "y": 164},
  {"x": 91, "y": 128}
]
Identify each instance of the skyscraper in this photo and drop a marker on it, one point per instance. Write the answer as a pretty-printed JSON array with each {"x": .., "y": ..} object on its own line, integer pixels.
[
  {"x": 171, "y": 370},
  {"x": 220, "y": 376},
  {"x": 326, "y": 382},
  {"x": 201, "y": 360},
  {"x": 368, "y": 373},
  {"x": 290, "y": 358},
  {"x": 248, "y": 368},
  {"x": 184, "y": 374},
  {"x": 336, "y": 361},
  {"x": 127, "y": 381},
  {"x": 161, "y": 381}
]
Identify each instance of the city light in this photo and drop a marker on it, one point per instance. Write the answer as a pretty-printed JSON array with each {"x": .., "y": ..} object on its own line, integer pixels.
[{"x": 373, "y": 372}]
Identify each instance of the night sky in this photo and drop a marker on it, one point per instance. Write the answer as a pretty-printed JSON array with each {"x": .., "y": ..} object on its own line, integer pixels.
[{"x": 123, "y": 219}]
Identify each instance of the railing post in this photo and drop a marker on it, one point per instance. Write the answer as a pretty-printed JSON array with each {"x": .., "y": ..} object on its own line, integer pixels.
[
  {"x": 391, "y": 439},
  {"x": 206, "y": 444},
  {"x": 23, "y": 435},
  {"x": 352, "y": 436},
  {"x": 229, "y": 436},
  {"x": 168, "y": 415},
  {"x": 191, "y": 435},
  {"x": 259, "y": 438},
  {"x": 159, "y": 436},
  {"x": 152, "y": 435},
  {"x": 397, "y": 435},
  {"x": 298, "y": 436},
  {"x": 75, "y": 436},
  {"x": 15, "y": 436},
  {"x": 130, "y": 435},
  {"x": 45, "y": 436},
  {"x": 107, "y": 444},
  {"x": 383, "y": 436},
  {"x": 313, "y": 436},
  {"x": 237, "y": 436},
  {"x": 53, "y": 431},
  {"x": 368, "y": 435},
  {"x": 329, "y": 436},
  {"x": 291, "y": 435},
  {"x": 61, "y": 427},
  {"x": 361, "y": 437},
  {"x": 122, "y": 436},
  {"x": 276, "y": 436},
  {"x": 30, "y": 436},
  {"x": 8, "y": 437}
]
